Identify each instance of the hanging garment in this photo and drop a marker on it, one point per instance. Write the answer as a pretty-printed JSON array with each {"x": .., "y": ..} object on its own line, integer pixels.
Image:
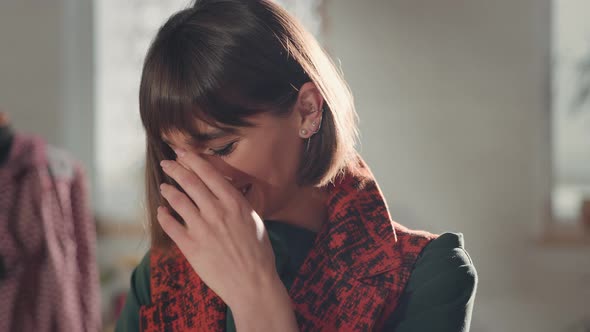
[{"x": 49, "y": 279}]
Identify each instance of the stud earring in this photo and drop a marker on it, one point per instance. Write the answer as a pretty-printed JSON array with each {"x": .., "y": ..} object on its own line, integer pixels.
[{"x": 303, "y": 132}]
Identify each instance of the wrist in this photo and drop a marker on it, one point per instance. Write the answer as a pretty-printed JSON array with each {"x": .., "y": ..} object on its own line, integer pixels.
[{"x": 270, "y": 309}]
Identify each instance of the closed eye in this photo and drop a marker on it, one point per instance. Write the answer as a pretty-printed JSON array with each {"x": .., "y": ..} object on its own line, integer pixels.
[{"x": 224, "y": 151}]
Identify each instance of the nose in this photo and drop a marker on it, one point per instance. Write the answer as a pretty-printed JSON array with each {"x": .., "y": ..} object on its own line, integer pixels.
[{"x": 223, "y": 168}]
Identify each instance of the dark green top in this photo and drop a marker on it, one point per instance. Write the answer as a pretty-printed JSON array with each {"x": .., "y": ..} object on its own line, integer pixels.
[{"x": 439, "y": 295}]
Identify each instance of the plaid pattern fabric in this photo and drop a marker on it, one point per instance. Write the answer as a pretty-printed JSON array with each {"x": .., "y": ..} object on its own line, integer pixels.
[
  {"x": 350, "y": 281},
  {"x": 47, "y": 242}
]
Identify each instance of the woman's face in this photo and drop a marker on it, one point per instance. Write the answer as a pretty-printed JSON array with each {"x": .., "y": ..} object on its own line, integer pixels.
[{"x": 263, "y": 160}]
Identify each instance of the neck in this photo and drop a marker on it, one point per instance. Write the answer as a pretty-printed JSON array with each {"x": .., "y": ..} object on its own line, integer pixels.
[{"x": 307, "y": 209}]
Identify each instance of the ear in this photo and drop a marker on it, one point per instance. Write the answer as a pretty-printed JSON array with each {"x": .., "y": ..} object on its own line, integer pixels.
[{"x": 309, "y": 107}]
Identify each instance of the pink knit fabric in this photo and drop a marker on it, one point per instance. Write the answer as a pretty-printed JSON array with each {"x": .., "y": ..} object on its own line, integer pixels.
[{"x": 47, "y": 242}]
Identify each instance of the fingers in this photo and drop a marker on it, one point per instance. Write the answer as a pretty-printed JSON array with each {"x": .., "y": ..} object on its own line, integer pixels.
[
  {"x": 191, "y": 184},
  {"x": 176, "y": 231},
  {"x": 216, "y": 183},
  {"x": 181, "y": 204}
]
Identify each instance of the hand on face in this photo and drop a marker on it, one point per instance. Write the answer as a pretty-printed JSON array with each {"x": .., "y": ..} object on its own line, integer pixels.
[{"x": 223, "y": 239}]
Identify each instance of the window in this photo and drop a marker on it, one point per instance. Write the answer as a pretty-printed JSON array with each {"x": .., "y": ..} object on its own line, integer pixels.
[{"x": 571, "y": 110}]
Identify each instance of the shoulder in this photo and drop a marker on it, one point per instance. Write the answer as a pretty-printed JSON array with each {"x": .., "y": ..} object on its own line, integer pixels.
[
  {"x": 140, "y": 280},
  {"x": 441, "y": 262},
  {"x": 445, "y": 260},
  {"x": 448, "y": 248},
  {"x": 137, "y": 296},
  {"x": 440, "y": 292}
]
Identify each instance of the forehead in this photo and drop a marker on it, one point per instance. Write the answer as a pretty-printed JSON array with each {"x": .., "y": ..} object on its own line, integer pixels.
[{"x": 201, "y": 134}]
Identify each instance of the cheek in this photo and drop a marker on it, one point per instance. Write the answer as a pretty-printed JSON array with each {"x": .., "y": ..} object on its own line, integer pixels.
[
  {"x": 264, "y": 165},
  {"x": 284, "y": 158},
  {"x": 273, "y": 157},
  {"x": 270, "y": 164}
]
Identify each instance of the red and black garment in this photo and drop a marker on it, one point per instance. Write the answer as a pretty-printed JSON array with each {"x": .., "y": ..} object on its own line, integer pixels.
[{"x": 351, "y": 280}]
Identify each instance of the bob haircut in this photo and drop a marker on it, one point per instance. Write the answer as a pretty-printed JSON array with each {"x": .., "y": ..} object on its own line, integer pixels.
[{"x": 221, "y": 61}]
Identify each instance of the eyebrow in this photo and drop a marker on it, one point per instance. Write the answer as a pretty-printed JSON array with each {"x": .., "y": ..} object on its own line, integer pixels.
[{"x": 202, "y": 138}]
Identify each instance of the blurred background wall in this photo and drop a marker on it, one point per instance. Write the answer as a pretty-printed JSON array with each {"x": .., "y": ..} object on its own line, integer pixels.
[
  {"x": 31, "y": 70},
  {"x": 46, "y": 71},
  {"x": 454, "y": 102}
]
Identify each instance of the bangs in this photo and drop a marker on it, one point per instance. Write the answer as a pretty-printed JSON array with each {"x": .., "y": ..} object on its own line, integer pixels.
[
  {"x": 200, "y": 71},
  {"x": 180, "y": 114},
  {"x": 174, "y": 100},
  {"x": 182, "y": 85},
  {"x": 217, "y": 64}
]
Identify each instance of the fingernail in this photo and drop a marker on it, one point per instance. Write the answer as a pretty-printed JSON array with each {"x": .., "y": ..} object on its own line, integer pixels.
[
  {"x": 165, "y": 163},
  {"x": 179, "y": 153}
]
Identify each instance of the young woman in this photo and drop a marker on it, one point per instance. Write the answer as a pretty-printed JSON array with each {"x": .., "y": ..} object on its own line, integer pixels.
[{"x": 263, "y": 217}]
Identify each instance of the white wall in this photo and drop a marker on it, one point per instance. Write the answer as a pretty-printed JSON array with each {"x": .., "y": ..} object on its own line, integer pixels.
[
  {"x": 46, "y": 66},
  {"x": 454, "y": 108},
  {"x": 30, "y": 65}
]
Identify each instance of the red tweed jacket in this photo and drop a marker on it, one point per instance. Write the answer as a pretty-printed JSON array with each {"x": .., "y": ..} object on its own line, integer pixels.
[{"x": 350, "y": 281}]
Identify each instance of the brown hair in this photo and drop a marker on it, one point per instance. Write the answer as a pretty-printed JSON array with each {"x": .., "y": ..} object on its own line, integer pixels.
[{"x": 221, "y": 61}]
